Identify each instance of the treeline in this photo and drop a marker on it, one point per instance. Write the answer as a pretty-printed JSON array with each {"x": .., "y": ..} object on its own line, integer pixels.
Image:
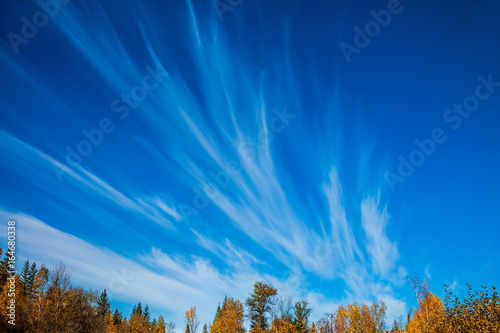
[
  {"x": 268, "y": 313},
  {"x": 46, "y": 301}
]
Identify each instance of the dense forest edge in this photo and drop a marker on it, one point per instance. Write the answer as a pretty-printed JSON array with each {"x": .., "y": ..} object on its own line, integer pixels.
[{"x": 45, "y": 300}]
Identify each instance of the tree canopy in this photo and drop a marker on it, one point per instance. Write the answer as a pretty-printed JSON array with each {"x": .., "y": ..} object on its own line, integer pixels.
[{"x": 46, "y": 301}]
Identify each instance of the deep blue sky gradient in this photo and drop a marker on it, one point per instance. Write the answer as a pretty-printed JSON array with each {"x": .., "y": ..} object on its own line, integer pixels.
[{"x": 307, "y": 187}]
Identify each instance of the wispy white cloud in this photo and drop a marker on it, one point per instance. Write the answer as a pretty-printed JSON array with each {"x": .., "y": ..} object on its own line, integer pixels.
[
  {"x": 427, "y": 272},
  {"x": 169, "y": 284},
  {"x": 454, "y": 286},
  {"x": 234, "y": 256},
  {"x": 341, "y": 231},
  {"x": 189, "y": 133},
  {"x": 383, "y": 253},
  {"x": 15, "y": 150}
]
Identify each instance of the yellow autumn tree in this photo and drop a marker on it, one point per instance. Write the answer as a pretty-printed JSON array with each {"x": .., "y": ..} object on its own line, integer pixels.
[
  {"x": 428, "y": 317},
  {"x": 191, "y": 319},
  {"x": 478, "y": 312},
  {"x": 39, "y": 304},
  {"x": 356, "y": 318},
  {"x": 159, "y": 326},
  {"x": 367, "y": 323},
  {"x": 282, "y": 325},
  {"x": 341, "y": 324},
  {"x": 13, "y": 305},
  {"x": 229, "y": 317},
  {"x": 117, "y": 323},
  {"x": 282, "y": 315}
]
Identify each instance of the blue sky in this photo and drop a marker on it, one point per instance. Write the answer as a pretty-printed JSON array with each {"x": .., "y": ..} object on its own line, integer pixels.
[{"x": 175, "y": 153}]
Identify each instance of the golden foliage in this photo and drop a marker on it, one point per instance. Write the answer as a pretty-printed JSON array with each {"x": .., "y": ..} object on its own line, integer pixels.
[
  {"x": 45, "y": 301},
  {"x": 282, "y": 326},
  {"x": 428, "y": 317},
  {"x": 478, "y": 312},
  {"x": 355, "y": 318},
  {"x": 191, "y": 320},
  {"x": 229, "y": 319}
]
